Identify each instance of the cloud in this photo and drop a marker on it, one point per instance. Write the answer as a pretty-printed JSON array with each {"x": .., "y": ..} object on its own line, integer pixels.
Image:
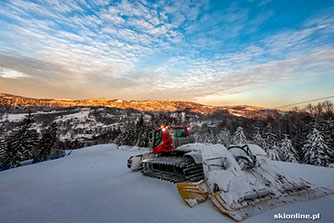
[
  {"x": 12, "y": 74},
  {"x": 166, "y": 50},
  {"x": 206, "y": 78}
]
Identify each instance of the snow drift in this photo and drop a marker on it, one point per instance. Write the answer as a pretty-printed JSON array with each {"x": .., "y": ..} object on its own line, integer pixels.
[{"x": 94, "y": 185}]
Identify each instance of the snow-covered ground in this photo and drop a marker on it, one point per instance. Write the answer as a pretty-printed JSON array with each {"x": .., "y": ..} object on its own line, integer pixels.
[
  {"x": 80, "y": 116},
  {"x": 13, "y": 117},
  {"x": 94, "y": 185},
  {"x": 18, "y": 117}
]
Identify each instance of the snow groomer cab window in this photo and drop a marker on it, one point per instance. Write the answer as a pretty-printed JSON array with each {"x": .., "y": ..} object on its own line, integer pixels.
[
  {"x": 157, "y": 137},
  {"x": 180, "y": 132}
]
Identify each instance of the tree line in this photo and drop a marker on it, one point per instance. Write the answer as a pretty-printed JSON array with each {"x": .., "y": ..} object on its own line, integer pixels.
[
  {"x": 305, "y": 136},
  {"x": 300, "y": 135}
]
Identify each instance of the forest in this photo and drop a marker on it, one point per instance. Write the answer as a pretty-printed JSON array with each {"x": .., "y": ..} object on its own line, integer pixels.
[{"x": 300, "y": 135}]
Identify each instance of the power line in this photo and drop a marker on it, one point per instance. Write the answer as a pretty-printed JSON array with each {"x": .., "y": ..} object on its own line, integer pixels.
[{"x": 303, "y": 102}]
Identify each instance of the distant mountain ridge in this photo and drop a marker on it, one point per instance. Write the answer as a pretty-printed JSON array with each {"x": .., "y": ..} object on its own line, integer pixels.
[{"x": 146, "y": 105}]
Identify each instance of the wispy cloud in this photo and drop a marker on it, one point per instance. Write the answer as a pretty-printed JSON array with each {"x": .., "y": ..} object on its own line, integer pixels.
[{"x": 165, "y": 50}]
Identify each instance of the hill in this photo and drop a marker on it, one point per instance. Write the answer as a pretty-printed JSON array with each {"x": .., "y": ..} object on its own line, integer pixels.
[{"x": 147, "y": 105}]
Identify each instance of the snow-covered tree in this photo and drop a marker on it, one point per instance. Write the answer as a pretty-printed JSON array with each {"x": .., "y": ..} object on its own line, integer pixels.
[
  {"x": 47, "y": 142},
  {"x": 331, "y": 140},
  {"x": 144, "y": 136},
  {"x": 142, "y": 133},
  {"x": 315, "y": 149},
  {"x": 239, "y": 137},
  {"x": 129, "y": 134},
  {"x": 207, "y": 138},
  {"x": 270, "y": 137},
  {"x": 270, "y": 145},
  {"x": 2, "y": 150},
  {"x": 224, "y": 138},
  {"x": 326, "y": 129},
  {"x": 274, "y": 153},
  {"x": 58, "y": 149},
  {"x": 257, "y": 139},
  {"x": 198, "y": 137},
  {"x": 288, "y": 152},
  {"x": 22, "y": 144}
]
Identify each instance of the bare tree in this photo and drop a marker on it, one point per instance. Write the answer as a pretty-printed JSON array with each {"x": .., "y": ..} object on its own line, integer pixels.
[
  {"x": 309, "y": 108},
  {"x": 328, "y": 107},
  {"x": 318, "y": 109},
  {"x": 295, "y": 109}
]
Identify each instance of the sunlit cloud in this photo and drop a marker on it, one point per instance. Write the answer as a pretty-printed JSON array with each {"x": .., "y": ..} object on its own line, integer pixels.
[
  {"x": 12, "y": 74},
  {"x": 201, "y": 51}
]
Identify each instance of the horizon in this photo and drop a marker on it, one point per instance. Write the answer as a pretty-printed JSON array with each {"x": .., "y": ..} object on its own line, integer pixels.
[
  {"x": 287, "y": 107},
  {"x": 256, "y": 53}
]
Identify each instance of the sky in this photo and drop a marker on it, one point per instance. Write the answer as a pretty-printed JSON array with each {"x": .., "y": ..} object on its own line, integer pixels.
[{"x": 262, "y": 53}]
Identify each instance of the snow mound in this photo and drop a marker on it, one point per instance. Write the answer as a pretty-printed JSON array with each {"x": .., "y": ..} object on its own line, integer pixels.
[{"x": 243, "y": 176}]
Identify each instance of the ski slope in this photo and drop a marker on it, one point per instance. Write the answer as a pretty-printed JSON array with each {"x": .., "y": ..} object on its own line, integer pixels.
[{"x": 94, "y": 185}]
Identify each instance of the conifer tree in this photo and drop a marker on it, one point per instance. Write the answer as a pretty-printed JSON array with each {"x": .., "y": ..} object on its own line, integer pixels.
[
  {"x": 270, "y": 137},
  {"x": 274, "y": 153},
  {"x": 22, "y": 144},
  {"x": 270, "y": 145},
  {"x": 129, "y": 134},
  {"x": 239, "y": 137},
  {"x": 142, "y": 133},
  {"x": 2, "y": 151},
  {"x": 47, "y": 142},
  {"x": 257, "y": 139},
  {"x": 315, "y": 149},
  {"x": 208, "y": 137},
  {"x": 224, "y": 138},
  {"x": 288, "y": 152}
]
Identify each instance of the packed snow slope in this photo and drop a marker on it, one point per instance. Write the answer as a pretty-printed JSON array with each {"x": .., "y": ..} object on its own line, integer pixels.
[{"x": 94, "y": 185}]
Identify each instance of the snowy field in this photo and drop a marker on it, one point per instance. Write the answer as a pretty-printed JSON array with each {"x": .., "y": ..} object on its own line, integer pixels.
[{"x": 94, "y": 185}]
